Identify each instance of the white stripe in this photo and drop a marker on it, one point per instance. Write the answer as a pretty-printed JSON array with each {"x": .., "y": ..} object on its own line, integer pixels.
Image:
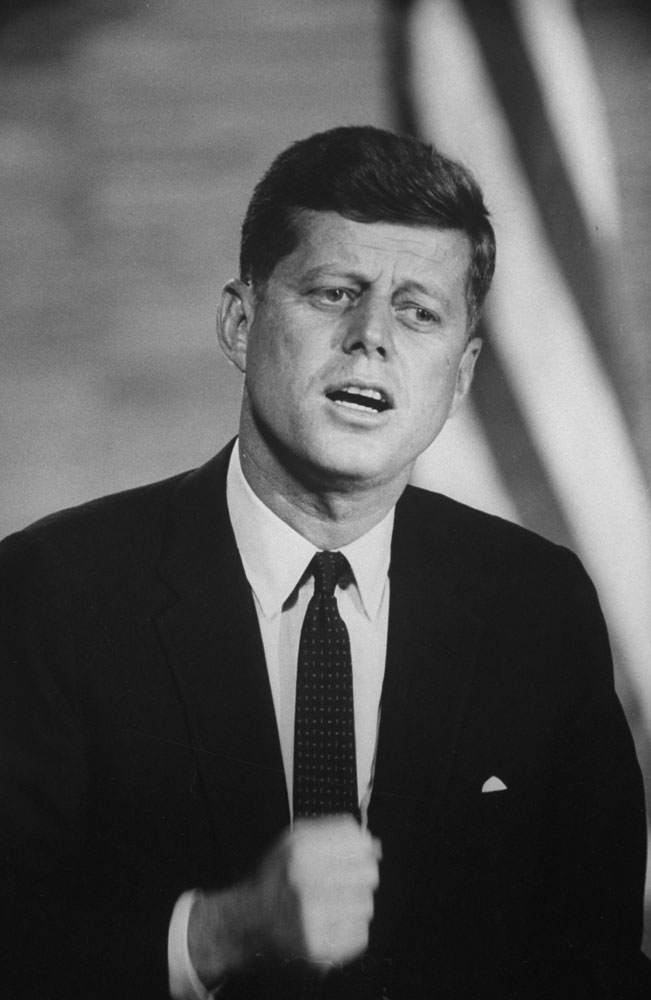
[
  {"x": 544, "y": 346},
  {"x": 460, "y": 463},
  {"x": 560, "y": 56}
]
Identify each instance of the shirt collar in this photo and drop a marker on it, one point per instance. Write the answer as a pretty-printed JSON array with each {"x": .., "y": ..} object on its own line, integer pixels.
[{"x": 275, "y": 556}]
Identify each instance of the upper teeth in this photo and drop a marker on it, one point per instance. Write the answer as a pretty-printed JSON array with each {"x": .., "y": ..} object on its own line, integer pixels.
[{"x": 372, "y": 393}]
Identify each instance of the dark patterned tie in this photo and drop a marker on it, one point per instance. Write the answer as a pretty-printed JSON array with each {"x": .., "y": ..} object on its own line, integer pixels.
[{"x": 325, "y": 770}]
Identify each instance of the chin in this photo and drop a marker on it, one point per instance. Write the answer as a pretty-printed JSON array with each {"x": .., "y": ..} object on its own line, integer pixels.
[
  {"x": 356, "y": 470},
  {"x": 334, "y": 460}
]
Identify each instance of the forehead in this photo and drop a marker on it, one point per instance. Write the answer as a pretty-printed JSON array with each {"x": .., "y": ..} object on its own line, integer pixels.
[{"x": 328, "y": 241}]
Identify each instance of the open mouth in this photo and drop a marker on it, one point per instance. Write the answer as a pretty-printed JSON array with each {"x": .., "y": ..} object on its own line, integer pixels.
[{"x": 358, "y": 398}]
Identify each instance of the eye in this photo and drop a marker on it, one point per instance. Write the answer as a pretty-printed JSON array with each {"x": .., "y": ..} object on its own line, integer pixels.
[
  {"x": 334, "y": 294},
  {"x": 418, "y": 317}
]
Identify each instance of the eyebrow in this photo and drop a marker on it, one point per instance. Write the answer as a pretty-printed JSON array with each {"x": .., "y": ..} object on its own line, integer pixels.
[
  {"x": 411, "y": 285},
  {"x": 335, "y": 268}
]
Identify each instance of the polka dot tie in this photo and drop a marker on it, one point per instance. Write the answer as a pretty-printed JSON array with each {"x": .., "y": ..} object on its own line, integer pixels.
[{"x": 325, "y": 770}]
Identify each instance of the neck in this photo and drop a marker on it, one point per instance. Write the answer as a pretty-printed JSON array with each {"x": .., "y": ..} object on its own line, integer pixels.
[{"x": 328, "y": 517}]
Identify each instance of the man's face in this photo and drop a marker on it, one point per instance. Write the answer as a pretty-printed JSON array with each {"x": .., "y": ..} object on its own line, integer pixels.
[{"x": 357, "y": 351}]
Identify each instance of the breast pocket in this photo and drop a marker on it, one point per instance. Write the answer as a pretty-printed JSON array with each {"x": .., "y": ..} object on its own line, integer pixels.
[{"x": 497, "y": 833}]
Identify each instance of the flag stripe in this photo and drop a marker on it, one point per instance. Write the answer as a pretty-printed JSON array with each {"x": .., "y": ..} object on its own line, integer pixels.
[
  {"x": 517, "y": 456},
  {"x": 570, "y": 91},
  {"x": 465, "y": 466}
]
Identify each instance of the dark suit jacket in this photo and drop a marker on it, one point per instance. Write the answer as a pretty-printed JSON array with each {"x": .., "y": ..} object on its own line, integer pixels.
[{"x": 140, "y": 757}]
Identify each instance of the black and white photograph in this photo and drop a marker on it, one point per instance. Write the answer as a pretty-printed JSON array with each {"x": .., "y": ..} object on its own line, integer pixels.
[{"x": 325, "y": 499}]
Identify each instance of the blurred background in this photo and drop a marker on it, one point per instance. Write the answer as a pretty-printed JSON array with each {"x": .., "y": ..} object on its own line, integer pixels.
[{"x": 131, "y": 135}]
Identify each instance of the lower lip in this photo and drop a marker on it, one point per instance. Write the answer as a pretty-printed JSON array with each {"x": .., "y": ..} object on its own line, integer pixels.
[{"x": 359, "y": 414}]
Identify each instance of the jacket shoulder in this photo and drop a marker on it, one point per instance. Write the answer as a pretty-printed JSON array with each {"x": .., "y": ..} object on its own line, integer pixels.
[
  {"x": 429, "y": 508},
  {"x": 119, "y": 518},
  {"x": 490, "y": 548},
  {"x": 122, "y": 526}
]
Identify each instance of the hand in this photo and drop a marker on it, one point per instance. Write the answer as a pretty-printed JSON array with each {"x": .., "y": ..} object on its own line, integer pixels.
[
  {"x": 311, "y": 898},
  {"x": 317, "y": 886}
]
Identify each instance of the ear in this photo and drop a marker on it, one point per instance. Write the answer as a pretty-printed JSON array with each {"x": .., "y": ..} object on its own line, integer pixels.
[
  {"x": 234, "y": 318},
  {"x": 465, "y": 372}
]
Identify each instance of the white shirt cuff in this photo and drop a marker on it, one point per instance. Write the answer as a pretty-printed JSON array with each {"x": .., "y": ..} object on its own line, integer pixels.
[{"x": 183, "y": 979}]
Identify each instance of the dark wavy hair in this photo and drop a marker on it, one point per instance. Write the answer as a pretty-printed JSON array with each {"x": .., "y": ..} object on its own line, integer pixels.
[{"x": 366, "y": 174}]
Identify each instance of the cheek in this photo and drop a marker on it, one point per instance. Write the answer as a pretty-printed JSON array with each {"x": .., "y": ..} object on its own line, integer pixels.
[
  {"x": 433, "y": 381},
  {"x": 281, "y": 349},
  {"x": 275, "y": 383},
  {"x": 432, "y": 402},
  {"x": 268, "y": 368}
]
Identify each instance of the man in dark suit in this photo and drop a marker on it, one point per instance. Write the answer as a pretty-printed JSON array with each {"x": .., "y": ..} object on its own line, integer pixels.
[{"x": 169, "y": 828}]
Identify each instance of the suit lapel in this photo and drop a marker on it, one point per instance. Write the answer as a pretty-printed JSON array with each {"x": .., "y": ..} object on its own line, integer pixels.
[
  {"x": 211, "y": 636},
  {"x": 431, "y": 651}
]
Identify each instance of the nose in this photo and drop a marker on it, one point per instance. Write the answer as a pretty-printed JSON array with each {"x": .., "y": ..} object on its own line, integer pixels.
[{"x": 368, "y": 329}]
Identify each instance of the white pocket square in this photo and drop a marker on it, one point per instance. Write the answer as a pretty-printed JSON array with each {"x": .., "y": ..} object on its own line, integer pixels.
[{"x": 493, "y": 784}]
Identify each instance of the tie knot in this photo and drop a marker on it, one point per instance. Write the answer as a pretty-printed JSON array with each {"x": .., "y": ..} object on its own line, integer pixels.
[{"x": 328, "y": 569}]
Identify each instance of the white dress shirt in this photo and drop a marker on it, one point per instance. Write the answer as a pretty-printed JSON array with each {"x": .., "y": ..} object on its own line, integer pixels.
[{"x": 275, "y": 560}]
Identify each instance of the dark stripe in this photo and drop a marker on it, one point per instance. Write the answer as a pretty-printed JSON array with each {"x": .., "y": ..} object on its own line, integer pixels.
[{"x": 397, "y": 66}]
